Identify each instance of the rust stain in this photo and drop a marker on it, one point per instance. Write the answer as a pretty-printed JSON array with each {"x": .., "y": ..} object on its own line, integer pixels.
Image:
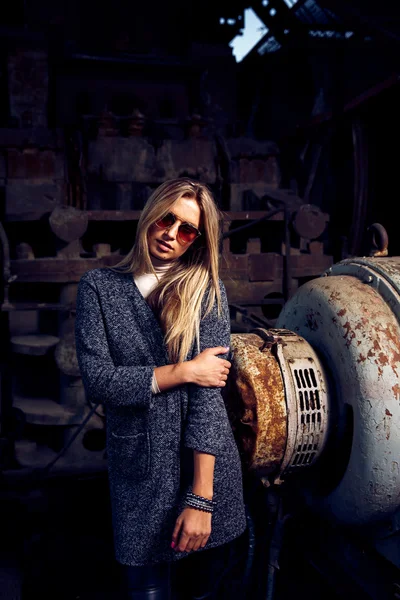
[
  {"x": 388, "y": 413},
  {"x": 334, "y": 297},
  {"x": 396, "y": 391},
  {"x": 349, "y": 335},
  {"x": 383, "y": 359},
  {"x": 369, "y": 325},
  {"x": 376, "y": 345},
  {"x": 347, "y": 326},
  {"x": 257, "y": 402},
  {"x": 394, "y": 359}
]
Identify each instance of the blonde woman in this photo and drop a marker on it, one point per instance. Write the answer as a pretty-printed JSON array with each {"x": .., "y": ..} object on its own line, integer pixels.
[{"x": 152, "y": 339}]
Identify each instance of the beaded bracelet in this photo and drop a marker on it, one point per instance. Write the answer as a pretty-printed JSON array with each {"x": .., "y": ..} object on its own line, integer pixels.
[
  {"x": 199, "y": 502},
  {"x": 197, "y": 497}
]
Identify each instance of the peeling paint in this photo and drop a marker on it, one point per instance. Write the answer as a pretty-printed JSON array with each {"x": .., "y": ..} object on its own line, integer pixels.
[
  {"x": 376, "y": 345},
  {"x": 361, "y": 347},
  {"x": 349, "y": 335},
  {"x": 383, "y": 359}
]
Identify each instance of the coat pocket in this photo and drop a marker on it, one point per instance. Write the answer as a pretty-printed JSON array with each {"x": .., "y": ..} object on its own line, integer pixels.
[{"x": 129, "y": 456}]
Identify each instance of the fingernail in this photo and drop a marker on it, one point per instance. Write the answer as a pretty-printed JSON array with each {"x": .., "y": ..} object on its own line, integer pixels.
[
  {"x": 227, "y": 347},
  {"x": 173, "y": 544}
]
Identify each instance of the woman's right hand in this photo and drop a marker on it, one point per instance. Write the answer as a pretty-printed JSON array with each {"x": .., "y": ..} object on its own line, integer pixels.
[{"x": 207, "y": 370}]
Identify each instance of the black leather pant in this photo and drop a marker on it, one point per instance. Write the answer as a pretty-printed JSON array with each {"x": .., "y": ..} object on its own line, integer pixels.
[
  {"x": 214, "y": 574},
  {"x": 149, "y": 582}
]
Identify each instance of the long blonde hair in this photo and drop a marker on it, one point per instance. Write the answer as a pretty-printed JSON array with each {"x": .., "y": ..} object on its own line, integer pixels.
[{"x": 178, "y": 298}]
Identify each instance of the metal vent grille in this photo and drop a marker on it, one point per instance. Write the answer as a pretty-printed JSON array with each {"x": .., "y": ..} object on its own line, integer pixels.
[
  {"x": 307, "y": 401},
  {"x": 309, "y": 411}
]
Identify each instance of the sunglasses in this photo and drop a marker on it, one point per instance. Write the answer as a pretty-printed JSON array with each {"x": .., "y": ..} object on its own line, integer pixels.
[{"x": 186, "y": 231}]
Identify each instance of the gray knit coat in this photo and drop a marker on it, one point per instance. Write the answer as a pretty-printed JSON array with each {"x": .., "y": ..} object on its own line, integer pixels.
[{"x": 150, "y": 438}]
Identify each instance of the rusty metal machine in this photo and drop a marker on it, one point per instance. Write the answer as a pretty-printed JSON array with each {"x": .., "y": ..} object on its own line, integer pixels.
[{"x": 315, "y": 405}]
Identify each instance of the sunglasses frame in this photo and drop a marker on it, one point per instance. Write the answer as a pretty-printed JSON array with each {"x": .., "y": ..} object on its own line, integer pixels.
[{"x": 182, "y": 242}]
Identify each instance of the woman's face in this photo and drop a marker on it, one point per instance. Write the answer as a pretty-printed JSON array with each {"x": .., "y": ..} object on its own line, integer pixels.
[{"x": 163, "y": 243}]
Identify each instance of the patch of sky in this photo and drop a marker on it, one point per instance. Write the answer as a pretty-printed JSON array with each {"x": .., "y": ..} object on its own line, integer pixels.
[{"x": 253, "y": 31}]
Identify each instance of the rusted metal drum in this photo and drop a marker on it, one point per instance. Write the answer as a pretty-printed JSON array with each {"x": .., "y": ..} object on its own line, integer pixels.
[
  {"x": 256, "y": 403},
  {"x": 278, "y": 402}
]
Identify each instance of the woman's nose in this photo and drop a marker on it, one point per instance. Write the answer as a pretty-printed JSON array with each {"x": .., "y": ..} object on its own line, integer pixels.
[{"x": 172, "y": 231}]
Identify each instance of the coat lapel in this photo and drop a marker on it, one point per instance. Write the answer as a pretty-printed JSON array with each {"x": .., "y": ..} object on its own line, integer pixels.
[{"x": 150, "y": 325}]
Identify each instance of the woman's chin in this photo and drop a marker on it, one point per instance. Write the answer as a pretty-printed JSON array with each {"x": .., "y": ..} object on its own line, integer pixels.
[{"x": 159, "y": 254}]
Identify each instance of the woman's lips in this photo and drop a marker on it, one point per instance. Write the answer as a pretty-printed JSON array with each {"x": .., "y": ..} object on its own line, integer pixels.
[{"x": 164, "y": 245}]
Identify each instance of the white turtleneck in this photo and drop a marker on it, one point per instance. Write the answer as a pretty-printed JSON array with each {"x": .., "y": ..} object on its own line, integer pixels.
[{"x": 146, "y": 283}]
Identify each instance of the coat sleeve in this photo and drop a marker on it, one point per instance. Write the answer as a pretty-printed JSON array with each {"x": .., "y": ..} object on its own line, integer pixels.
[
  {"x": 207, "y": 420},
  {"x": 103, "y": 381}
]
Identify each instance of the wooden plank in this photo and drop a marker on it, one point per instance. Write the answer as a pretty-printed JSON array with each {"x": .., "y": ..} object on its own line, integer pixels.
[
  {"x": 250, "y": 215},
  {"x": 13, "y": 306},
  {"x": 114, "y": 215},
  {"x": 265, "y": 266},
  {"x": 54, "y": 270},
  {"x": 234, "y": 266},
  {"x": 309, "y": 265},
  {"x": 134, "y": 215},
  {"x": 250, "y": 293}
]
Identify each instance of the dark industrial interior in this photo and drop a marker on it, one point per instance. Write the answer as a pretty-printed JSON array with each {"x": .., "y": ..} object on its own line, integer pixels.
[{"x": 297, "y": 139}]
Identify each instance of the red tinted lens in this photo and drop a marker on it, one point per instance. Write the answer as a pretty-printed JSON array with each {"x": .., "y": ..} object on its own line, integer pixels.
[
  {"x": 166, "y": 221},
  {"x": 187, "y": 233}
]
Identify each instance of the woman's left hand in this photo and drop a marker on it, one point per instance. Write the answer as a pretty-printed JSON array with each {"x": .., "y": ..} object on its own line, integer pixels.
[{"x": 192, "y": 530}]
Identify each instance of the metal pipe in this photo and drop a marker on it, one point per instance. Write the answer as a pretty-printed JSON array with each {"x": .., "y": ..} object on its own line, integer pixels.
[
  {"x": 269, "y": 214},
  {"x": 6, "y": 261},
  {"x": 5, "y": 370},
  {"x": 287, "y": 292}
]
